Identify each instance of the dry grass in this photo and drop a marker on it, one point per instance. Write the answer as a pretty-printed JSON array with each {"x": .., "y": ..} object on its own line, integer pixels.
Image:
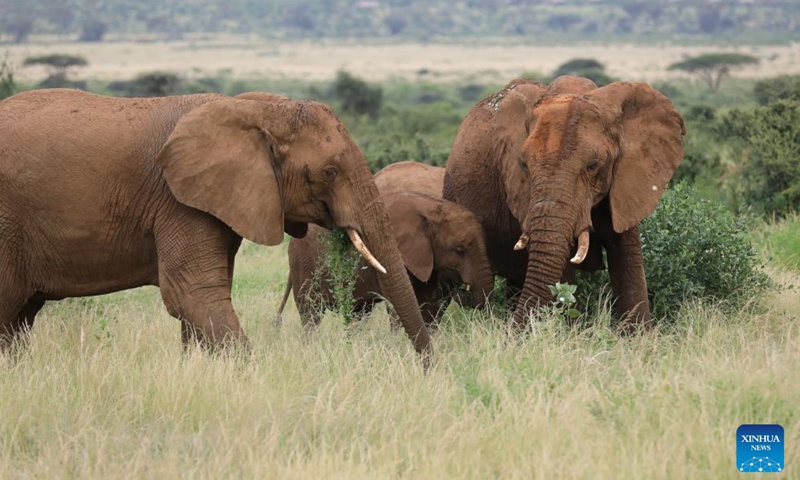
[
  {"x": 103, "y": 391},
  {"x": 482, "y": 60}
]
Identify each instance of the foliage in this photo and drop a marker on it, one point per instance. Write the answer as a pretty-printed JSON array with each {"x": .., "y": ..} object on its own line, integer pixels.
[
  {"x": 779, "y": 239},
  {"x": 356, "y": 96},
  {"x": 93, "y": 30},
  {"x": 7, "y": 85},
  {"x": 57, "y": 61},
  {"x": 572, "y": 67},
  {"x": 563, "y": 307},
  {"x": 694, "y": 249},
  {"x": 785, "y": 87},
  {"x": 697, "y": 249},
  {"x": 159, "y": 84},
  {"x": 702, "y": 160},
  {"x": 713, "y": 67},
  {"x": 337, "y": 270},
  {"x": 766, "y": 146},
  {"x": 585, "y": 67},
  {"x": 91, "y": 20},
  {"x": 58, "y": 65}
]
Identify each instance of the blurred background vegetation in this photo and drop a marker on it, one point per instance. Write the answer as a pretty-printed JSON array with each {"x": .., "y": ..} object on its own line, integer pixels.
[{"x": 741, "y": 21}]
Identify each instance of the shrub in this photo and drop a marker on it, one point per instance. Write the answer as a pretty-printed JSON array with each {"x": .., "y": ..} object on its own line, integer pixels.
[
  {"x": 777, "y": 88},
  {"x": 585, "y": 67},
  {"x": 575, "y": 65},
  {"x": 694, "y": 249},
  {"x": 766, "y": 144},
  {"x": 154, "y": 84},
  {"x": 356, "y": 95}
]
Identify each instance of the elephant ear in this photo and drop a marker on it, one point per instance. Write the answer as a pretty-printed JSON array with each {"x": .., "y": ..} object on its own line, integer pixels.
[
  {"x": 218, "y": 159},
  {"x": 411, "y": 231},
  {"x": 651, "y": 148}
]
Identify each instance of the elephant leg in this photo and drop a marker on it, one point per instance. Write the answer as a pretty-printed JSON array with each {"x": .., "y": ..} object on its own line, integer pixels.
[
  {"x": 310, "y": 310},
  {"x": 432, "y": 312},
  {"x": 628, "y": 282},
  {"x": 13, "y": 305},
  {"x": 195, "y": 271},
  {"x": 28, "y": 314}
]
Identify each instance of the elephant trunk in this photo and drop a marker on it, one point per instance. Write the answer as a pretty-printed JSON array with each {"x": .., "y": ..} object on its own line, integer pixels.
[
  {"x": 483, "y": 285},
  {"x": 550, "y": 239},
  {"x": 395, "y": 283}
]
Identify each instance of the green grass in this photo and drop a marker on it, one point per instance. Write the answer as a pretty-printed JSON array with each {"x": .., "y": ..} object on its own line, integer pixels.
[
  {"x": 103, "y": 391},
  {"x": 780, "y": 241}
]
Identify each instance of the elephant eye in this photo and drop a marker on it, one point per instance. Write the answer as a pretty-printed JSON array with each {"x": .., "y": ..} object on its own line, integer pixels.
[
  {"x": 523, "y": 164},
  {"x": 593, "y": 166},
  {"x": 461, "y": 250},
  {"x": 329, "y": 173}
]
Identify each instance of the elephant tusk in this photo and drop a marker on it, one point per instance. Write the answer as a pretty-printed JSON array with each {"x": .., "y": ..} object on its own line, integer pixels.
[
  {"x": 583, "y": 247},
  {"x": 364, "y": 251},
  {"x": 522, "y": 242},
  {"x": 469, "y": 287}
]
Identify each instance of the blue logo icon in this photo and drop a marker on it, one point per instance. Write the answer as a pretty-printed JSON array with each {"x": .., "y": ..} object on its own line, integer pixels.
[{"x": 759, "y": 448}]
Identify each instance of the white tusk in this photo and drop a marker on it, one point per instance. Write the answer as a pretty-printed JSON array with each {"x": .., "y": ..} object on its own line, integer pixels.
[
  {"x": 469, "y": 287},
  {"x": 364, "y": 251},
  {"x": 583, "y": 247},
  {"x": 522, "y": 242}
]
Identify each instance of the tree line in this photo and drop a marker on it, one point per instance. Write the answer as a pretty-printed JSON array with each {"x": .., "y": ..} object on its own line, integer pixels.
[{"x": 92, "y": 20}]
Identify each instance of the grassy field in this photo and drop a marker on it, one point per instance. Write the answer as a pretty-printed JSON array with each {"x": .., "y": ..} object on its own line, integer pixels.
[
  {"x": 103, "y": 391},
  {"x": 477, "y": 60}
]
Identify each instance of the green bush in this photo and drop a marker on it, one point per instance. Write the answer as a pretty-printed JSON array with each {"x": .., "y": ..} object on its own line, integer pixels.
[
  {"x": 356, "y": 95},
  {"x": 693, "y": 249},
  {"x": 777, "y": 88},
  {"x": 766, "y": 146}
]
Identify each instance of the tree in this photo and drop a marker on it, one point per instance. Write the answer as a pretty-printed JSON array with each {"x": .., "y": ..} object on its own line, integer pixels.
[
  {"x": 356, "y": 95},
  {"x": 713, "y": 67},
  {"x": 585, "y": 67},
  {"x": 58, "y": 65}
]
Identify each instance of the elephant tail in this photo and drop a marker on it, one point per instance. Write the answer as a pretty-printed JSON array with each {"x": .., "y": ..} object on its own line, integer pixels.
[{"x": 286, "y": 292}]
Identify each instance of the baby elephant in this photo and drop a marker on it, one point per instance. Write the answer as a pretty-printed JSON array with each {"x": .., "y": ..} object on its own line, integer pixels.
[{"x": 442, "y": 245}]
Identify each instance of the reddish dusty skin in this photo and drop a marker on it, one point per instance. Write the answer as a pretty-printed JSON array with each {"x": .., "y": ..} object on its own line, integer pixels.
[
  {"x": 540, "y": 165},
  {"x": 101, "y": 194}
]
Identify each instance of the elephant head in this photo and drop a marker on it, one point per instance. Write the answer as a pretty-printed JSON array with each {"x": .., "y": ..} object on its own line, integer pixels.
[
  {"x": 584, "y": 145},
  {"x": 265, "y": 165},
  {"x": 437, "y": 235}
]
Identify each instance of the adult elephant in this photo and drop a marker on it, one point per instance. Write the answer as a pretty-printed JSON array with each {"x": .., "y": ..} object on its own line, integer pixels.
[
  {"x": 544, "y": 166},
  {"x": 410, "y": 176},
  {"x": 101, "y": 194}
]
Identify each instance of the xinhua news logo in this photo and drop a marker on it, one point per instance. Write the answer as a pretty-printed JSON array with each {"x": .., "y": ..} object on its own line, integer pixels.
[{"x": 759, "y": 448}]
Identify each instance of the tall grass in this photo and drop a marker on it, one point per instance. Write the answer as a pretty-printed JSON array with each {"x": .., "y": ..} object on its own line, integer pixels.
[{"x": 103, "y": 390}]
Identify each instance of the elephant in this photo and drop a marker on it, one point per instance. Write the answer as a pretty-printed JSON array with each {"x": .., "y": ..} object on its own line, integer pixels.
[
  {"x": 410, "y": 176},
  {"x": 101, "y": 194},
  {"x": 544, "y": 166},
  {"x": 442, "y": 245}
]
